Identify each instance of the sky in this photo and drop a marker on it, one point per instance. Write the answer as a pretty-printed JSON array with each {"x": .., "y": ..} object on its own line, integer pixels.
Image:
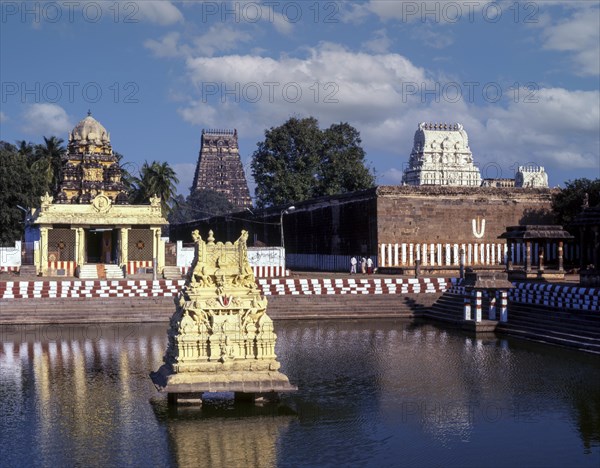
[{"x": 523, "y": 78}]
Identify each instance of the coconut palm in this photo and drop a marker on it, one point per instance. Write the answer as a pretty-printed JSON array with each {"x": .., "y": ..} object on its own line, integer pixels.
[
  {"x": 157, "y": 179},
  {"x": 53, "y": 150}
]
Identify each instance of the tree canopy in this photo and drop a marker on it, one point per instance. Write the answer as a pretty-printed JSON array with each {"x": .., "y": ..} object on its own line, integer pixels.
[
  {"x": 199, "y": 204},
  {"x": 298, "y": 161},
  {"x": 567, "y": 204},
  {"x": 155, "y": 178},
  {"x": 25, "y": 176}
]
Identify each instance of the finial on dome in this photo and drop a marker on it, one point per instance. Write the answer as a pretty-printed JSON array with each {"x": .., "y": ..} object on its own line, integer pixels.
[{"x": 89, "y": 113}]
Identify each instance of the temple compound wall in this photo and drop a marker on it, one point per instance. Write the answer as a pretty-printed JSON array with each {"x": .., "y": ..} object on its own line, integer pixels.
[{"x": 432, "y": 222}]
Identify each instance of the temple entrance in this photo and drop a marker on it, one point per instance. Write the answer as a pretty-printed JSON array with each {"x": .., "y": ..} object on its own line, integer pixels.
[{"x": 101, "y": 245}]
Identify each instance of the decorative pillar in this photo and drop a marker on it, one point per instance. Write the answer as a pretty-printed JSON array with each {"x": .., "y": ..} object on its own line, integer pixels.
[
  {"x": 80, "y": 254},
  {"x": 478, "y": 301},
  {"x": 411, "y": 258},
  {"x": 541, "y": 259},
  {"x": 43, "y": 266},
  {"x": 503, "y": 306},
  {"x": 124, "y": 254},
  {"x": 492, "y": 311},
  {"x": 509, "y": 255},
  {"x": 527, "y": 256},
  {"x": 467, "y": 303},
  {"x": 158, "y": 251}
]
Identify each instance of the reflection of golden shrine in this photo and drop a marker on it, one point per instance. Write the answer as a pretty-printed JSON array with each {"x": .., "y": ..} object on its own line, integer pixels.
[
  {"x": 240, "y": 436},
  {"x": 220, "y": 337}
]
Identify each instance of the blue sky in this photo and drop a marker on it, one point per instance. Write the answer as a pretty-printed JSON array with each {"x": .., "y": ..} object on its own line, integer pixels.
[{"x": 523, "y": 78}]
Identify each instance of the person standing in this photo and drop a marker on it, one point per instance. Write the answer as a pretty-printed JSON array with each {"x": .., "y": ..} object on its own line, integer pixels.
[
  {"x": 353, "y": 263},
  {"x": 369, "y": 266},
  {"x": 363, "y": 265}
]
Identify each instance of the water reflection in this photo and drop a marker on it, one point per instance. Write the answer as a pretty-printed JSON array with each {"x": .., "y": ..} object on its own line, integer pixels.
[{"x": 371, "y": 393}]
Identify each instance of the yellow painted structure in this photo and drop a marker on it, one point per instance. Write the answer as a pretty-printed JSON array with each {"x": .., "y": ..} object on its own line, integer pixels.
[
  {"x": 220, "y": 336},
  {"x": 90, "y": 220}
]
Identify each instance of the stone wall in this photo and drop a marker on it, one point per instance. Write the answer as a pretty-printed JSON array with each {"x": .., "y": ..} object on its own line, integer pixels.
[{"x": 456, "y": 214}]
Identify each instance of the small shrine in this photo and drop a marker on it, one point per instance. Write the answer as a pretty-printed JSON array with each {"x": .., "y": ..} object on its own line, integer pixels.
[
  {"x": 530, "y": 245},
  {"x": 89, "y": 228},
  {"x": 489, "y": 289},
  {"x": 220, "y": 336}
]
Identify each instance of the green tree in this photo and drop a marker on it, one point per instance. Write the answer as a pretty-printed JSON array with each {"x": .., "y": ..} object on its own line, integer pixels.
[
  {"x": 297, "y": 161},
  {"x": 22, "y": 185},
  {"x": 156, "y": 179},
  {"x": 53, "y": 151},
  {"x": 199, "y": 204},
  {"x": 567, "y": 203}
]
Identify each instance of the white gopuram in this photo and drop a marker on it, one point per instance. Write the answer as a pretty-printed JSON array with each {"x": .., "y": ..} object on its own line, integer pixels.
[
  {"x": 531, "y": 177},
  {"x": 441, "y": 156}
]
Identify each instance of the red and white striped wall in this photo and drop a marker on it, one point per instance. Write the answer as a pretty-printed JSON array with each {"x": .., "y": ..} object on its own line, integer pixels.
[
  {"x": 268, "y": 286},
  {"x": 68, "y": 266},
  {"x": 12, "y": 269},
  {"x": 259, "y": 271},
  {"x": 133, "y": 265},
  {"x": 323, "y": 286}
]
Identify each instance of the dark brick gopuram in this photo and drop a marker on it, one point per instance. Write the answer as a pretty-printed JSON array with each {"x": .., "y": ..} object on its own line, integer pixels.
[{"x": 220, "y": 169}]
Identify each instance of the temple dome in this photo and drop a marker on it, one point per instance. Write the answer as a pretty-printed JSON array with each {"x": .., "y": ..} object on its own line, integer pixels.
[{"x": 89, "y": 129}]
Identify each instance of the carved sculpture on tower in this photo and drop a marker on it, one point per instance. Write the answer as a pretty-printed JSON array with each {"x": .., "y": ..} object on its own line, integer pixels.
[
  {"x": 220, "y": 169},
  {"x": 441, "y": 156},
  {"x": 90, "y": 167},
  {"x": 220, "y": 336}
]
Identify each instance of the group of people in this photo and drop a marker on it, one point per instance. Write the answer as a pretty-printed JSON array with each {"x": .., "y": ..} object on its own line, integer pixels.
[{"x": 366, "y": 265}]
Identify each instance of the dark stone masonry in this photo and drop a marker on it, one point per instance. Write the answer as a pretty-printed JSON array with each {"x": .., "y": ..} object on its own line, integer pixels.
[{"x": 220, "y": 169}]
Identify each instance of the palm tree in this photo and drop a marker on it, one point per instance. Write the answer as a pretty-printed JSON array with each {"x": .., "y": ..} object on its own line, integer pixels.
[
  {"x": 53, "y": 150},
  {"x": 157, "y": 179}
]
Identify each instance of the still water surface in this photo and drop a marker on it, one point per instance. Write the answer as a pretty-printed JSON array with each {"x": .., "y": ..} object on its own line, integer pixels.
[{"x": 372, "y": 393}]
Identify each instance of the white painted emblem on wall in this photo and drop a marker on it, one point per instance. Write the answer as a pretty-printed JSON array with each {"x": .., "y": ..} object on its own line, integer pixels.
[{"x": 478, "y": 227}]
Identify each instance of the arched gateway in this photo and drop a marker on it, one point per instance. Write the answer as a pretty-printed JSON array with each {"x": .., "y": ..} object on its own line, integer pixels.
[{"x": 90, "y": 222}]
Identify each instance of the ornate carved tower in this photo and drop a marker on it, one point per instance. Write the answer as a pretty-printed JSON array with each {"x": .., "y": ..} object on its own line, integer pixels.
[
  {"x": 90, "y": 167},
  {"x": 441, "y": 156},
  {"x": 220, "y": 169}
]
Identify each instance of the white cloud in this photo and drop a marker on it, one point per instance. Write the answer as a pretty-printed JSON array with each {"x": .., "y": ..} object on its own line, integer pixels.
[
  {"x": 45, "y": 120},
  {"x": 219, "y": 38},
  {"x": 160, "y": 12},
  {"x": 168, "y": 46},
  {"x": 380, "y": 44},
  {"x": 3, "y": 117},
  {"x": 580, "y": 35},
  {"x": 558, "y": 129}
]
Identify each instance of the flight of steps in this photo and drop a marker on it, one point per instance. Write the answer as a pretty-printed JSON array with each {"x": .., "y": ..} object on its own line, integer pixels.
[
  {"x": 572, "y": 328},
  {"x": 88, "y": 271},
  {"x": 172, "y": 272},
  {"x": 576, "y": 328},
  {"x": 113, "y": 272},
  {"x": 349, "y": 306},
  {"x": 84, "y": 310},
  {"x": 93, "y": 271},
  {"x": 448, "y": 308}
]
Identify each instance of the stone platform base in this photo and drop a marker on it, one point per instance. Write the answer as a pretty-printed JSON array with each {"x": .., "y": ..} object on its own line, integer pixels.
[
  {"x": 553, "y": 275},
  {"x": 251, "y": 382},
  {"x": 485, "y": 326}
]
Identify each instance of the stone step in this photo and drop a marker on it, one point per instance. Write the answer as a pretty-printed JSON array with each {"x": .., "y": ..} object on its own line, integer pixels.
[{"x": 172, "y": 272}]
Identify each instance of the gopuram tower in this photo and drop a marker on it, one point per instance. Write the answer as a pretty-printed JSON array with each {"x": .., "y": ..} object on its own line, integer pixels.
[
  {"x": 441, "y": 156},
  {"x": 220, "y": 169}
]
